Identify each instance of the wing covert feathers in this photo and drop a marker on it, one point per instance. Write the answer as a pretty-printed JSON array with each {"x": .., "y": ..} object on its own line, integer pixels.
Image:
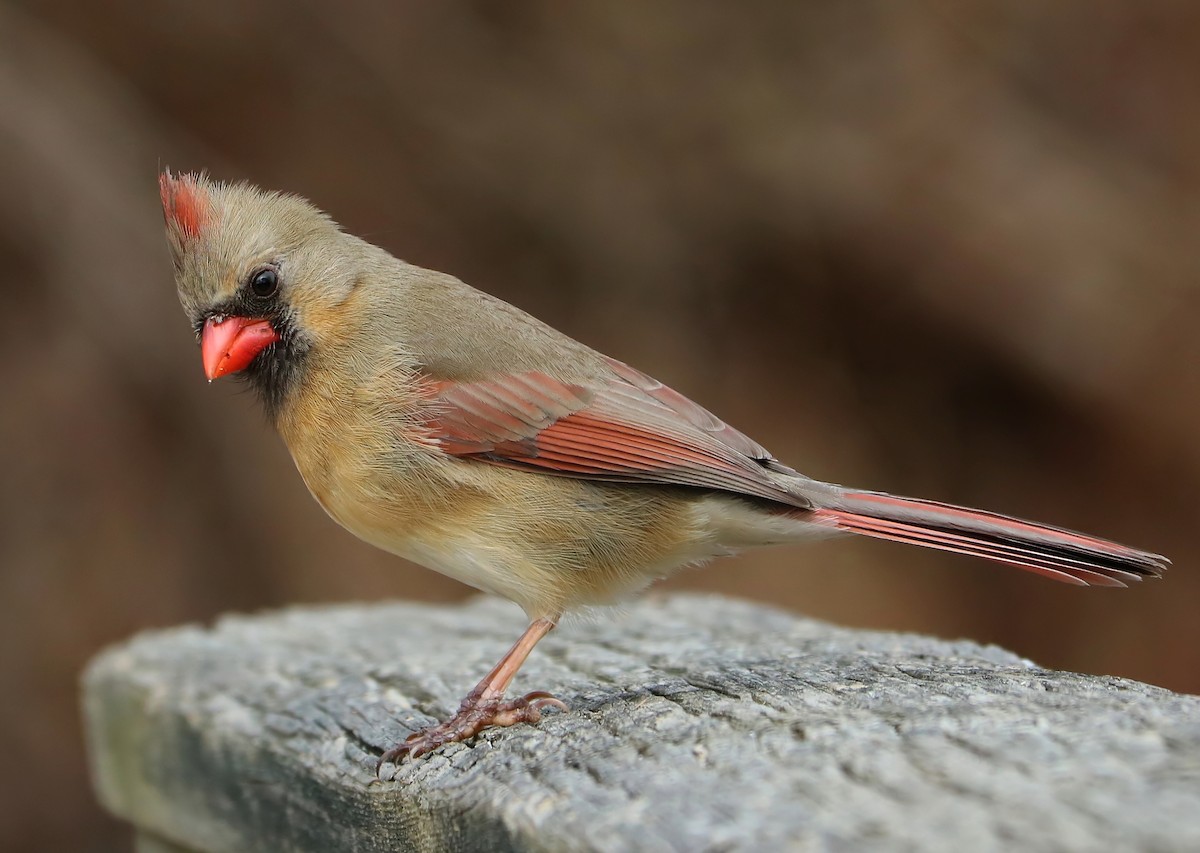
[{"x": 628, "y": 429}]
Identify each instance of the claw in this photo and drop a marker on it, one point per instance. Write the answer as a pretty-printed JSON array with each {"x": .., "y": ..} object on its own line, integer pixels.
[
  {"x": 484, "y": 706},
  {"x": 474, "y": 715}
]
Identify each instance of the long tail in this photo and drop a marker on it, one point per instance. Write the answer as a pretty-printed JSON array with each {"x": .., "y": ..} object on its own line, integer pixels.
[{"x": 1049, "y": 551}]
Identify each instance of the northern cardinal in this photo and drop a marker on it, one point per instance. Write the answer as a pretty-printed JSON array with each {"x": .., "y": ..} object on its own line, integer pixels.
[{"x": 448, "y": 427}]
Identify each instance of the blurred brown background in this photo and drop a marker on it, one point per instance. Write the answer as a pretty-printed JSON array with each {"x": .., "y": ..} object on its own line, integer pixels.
[{"x": 944, "y": 249}]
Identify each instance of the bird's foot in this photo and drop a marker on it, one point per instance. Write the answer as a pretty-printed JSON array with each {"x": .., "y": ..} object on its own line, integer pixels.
[{"x": 474, "y": 715}]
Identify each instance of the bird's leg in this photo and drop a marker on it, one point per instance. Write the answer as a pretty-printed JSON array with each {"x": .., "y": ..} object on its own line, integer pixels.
[{"x": 485, "y": 705}]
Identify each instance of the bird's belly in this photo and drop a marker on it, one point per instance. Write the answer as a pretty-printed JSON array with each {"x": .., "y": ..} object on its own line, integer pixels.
[{"x": 548, "y": 543}]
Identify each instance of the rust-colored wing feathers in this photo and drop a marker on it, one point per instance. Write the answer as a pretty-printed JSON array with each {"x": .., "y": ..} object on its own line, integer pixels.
[
  {"x": 630, "y": 429},
  {"x": 502, "y": 416},
  {"x": 674, "y": 406}
]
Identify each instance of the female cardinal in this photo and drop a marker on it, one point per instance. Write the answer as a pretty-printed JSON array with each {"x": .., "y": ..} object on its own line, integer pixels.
[{"x": 448, "y": 427}]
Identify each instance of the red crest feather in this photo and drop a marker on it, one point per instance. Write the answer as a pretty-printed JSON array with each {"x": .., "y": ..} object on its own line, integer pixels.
[{"x": 185, "y": 203}]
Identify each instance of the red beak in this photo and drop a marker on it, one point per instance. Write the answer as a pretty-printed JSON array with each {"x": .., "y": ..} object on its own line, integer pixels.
[{"x": 228, "y": 344}]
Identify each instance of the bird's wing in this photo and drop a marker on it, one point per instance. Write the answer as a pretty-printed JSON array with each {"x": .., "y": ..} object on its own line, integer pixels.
[{"x": 630, "y": 428}]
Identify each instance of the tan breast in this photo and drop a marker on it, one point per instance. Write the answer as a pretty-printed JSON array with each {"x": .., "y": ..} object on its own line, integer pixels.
[{"x": 549, "y": 543}]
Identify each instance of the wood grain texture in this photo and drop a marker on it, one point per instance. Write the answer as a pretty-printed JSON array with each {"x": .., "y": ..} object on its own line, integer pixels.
[{"x": 697, "y": 723}]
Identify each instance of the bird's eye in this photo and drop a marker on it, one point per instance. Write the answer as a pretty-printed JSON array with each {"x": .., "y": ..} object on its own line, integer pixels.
[{"x": 265, "y": 282}]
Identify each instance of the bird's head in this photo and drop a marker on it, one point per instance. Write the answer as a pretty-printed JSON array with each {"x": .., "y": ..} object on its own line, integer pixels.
[{"x": 259, "y": 275}]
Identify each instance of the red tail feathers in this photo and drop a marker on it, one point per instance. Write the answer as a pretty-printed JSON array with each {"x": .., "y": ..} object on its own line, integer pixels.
[{"x": 1049, "y": 551}]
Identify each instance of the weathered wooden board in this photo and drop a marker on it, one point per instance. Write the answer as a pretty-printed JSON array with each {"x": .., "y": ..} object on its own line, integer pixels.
[{"x": 696, "y": 723}]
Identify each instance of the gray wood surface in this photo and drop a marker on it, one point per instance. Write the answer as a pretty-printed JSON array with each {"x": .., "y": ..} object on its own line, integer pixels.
[{"x": 697, "y": 723}]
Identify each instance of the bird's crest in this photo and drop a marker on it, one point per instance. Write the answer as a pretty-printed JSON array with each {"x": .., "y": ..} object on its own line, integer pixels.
[{"x": 186, "y": 204}]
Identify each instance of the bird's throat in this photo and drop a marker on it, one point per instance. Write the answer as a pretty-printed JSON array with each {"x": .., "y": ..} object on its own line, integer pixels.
[{"x": 277, "y": 374}]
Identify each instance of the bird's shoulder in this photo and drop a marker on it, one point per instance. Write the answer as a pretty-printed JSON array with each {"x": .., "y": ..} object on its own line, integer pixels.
[{"x": 458, "y": 333}]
